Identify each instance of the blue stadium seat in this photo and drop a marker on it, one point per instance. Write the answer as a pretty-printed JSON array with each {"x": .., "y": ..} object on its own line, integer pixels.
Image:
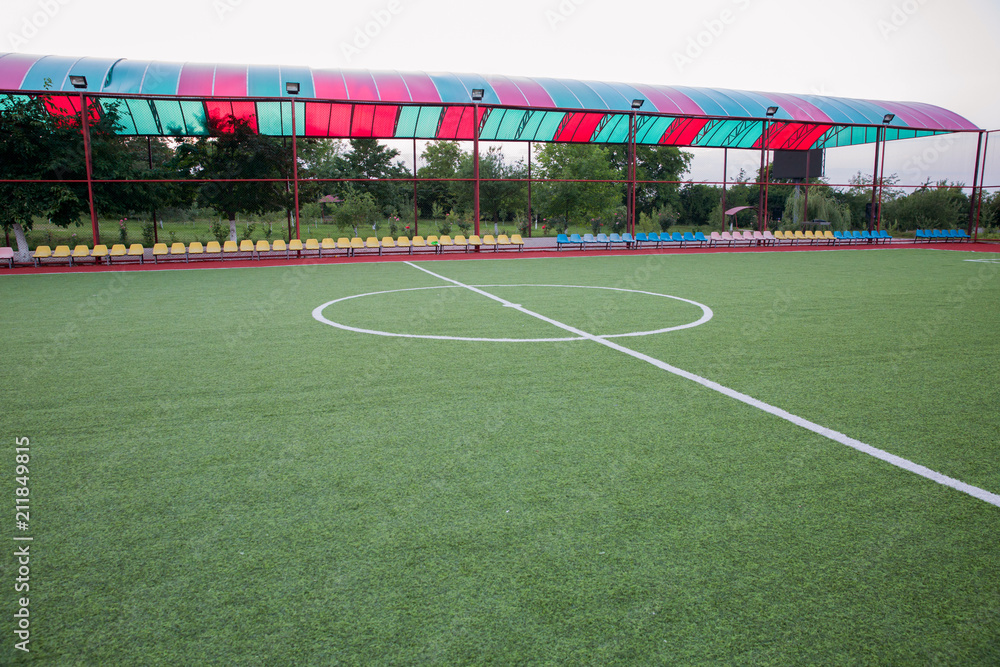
[
  {"x": 840, "y": 238},
  {"x": 884, "y": 236},
  {"x": 561, "y": 240},
  {"x": 627, "y": 239},
  {"x": 700, "y": 238},
  {"x": 688, "y": 237},
  {"x": 641, "y": 238},
  {"x": 857, "y": 236},
  {"x": 654, "y": 238},
  {"x": 962, "y": 234},
  {"x": 603, "y": 238},
  {"x": 616, "y": 239},
  {"x": 575, "y": 238},
  {"x": 677, "y": 237}
]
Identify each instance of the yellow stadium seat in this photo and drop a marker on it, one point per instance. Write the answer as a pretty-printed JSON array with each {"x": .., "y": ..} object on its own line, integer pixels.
[
  {"x": 809, "y": 235},
  {"x": 279, "y": 245},
  {"x": 246, "y": 245},
  {"x": 828, "y": 235},
  {"x": 213, "y": 248},
  {"x": 404, "y": 242},
  {"x": 432, "y": 241},
  {"x": 444, "y": 241},
  {"x": 418, "y": 242},
  {"x": 179, "y": 249},
  {"x": 79, "y": 252},
  {"x": 503, "y": 241},
  {"x": 515, "y": 239},
  {"x": 799, "y": 236},
  {"x": 41, "y": 252},
  {"x": 295, "y": 245},
  {"x": 117, "y": 250},
  {"x": 344, "y": 243},
  {"x": 327, "y": 244},
  {"x": 196, "y": 248},
  {"x": 387, "y": 242},
  {"x": 136, "y": 250},
  {"x": 475, "y": 241},
  {"x": 262, "y": 246},
  {"x": 372, "y": 242},
  {"x": 63, "y": 252},
  {"x": 460, "y": 240},
  {"x": 160, "y": 250},
  {"x": 230, "y": 248},
  {"x": 488, "y": 240}
]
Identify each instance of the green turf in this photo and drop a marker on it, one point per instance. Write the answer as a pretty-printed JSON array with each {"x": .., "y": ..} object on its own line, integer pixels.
[{"x": 218, "y": 478}]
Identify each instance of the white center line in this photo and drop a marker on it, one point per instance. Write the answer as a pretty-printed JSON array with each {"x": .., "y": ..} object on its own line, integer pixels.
[{"x": 892, "y": 459}]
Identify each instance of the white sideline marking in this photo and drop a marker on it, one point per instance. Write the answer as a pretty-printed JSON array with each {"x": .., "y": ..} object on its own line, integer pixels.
[{"x": 892, "y": 459}]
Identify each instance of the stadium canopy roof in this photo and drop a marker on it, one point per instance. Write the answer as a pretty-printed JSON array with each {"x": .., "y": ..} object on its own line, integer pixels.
[{"x": 175, "y": 99}]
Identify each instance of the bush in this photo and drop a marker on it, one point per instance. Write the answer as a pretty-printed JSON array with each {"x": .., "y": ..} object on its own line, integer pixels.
[
  {"x": 248, "y": 231},
  {"x": 219, "y": 231},
  {"x": 148, "y": 235}
]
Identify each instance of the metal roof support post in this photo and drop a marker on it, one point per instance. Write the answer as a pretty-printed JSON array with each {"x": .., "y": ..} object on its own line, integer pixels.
[
  {"x": 530, "y": 220},
  {"x": 85, "y": 124},
  {"x": 725, "y": 176},
  {"x": 632, "y": 175},
  {"x": 415, "y": 214},
  {"x": 805, "y": 203},
  {"x": 295, "y": 172},
  {"x": 982, "y": 180},
  {"x": 149, "y": 153},
  {"x": 875, "y": 180},
  {"x": 881, "y": 184},
  {"x": 767, "y": 173},
  {"x": 975, "y": 181},
  {"x": 475, "y": 164},
  {"x": 760, "y": 177}
]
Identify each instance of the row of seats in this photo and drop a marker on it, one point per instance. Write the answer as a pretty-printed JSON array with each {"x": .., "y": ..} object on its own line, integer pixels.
[
  {"x": 680, "y": 240},
  {"x": 263, "y": 249},
  {"x": 938, "y": 235}
]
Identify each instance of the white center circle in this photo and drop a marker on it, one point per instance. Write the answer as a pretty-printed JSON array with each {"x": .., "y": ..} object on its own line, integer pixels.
[{"x": 317, "y": 313}]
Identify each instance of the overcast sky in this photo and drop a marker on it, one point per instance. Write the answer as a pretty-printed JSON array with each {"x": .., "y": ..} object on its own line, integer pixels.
[{"x": 942, "y": 52}]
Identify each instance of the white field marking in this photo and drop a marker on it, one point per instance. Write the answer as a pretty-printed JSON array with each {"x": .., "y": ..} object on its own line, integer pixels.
[
  {"x": 984, "y": 261},
  {"x": 706, "y": 315},
  {"x": 892, "y": 459}
]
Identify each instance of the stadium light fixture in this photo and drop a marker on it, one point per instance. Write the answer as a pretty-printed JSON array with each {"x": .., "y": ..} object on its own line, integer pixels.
[
  {"x": 477, "y": 94},
  {"x": 292, "y": 88},
  {"x": 889, "y": 117},
  {"x": 771, "y": 111},
  {"x": 78, "y": 81},
  {"x": 637, "y": 104}
]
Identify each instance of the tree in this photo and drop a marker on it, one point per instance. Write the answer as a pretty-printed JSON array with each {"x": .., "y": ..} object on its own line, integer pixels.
[
  {"x": 233, "y": 150},
  {"x": 497, "y": 198},
  {"x": 941, "y": 206},
  {"x": 577, "y": 200},
  {"x": 369, "y": 159},
  {"x": 653, "y": 163},
  {"x": 37, "y": 144},
  {"x": 698, "y": 201},
  {"x": 441, "y": 160}
]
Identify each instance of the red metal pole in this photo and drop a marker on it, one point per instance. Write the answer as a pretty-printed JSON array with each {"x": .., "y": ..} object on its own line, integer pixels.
[
  {"x": 632, "y": 173},
  {"x": 975, "y": 182},
  {"x": 149, "y": 152},
  {"x": 767, "y": 171},
  {"x": 881, "y": 184},
  {"x": 982, "y": 179},
  {"x": 805, "y": 204},
  {"x": 85, "y": 123},
  {"x": 475, "y": 165},
  {"x": 760, "y": 177},
  {"x": 415, "y": 216},
  {"x": 871, "y": 218},
  {"x": 529, "y": 191},
  {"x": 725, "y": 176},
  {"x": 295, "y": 172}
]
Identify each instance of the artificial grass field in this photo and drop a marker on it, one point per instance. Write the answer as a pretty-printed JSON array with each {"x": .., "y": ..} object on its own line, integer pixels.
[{"x": 218, "y": 478}]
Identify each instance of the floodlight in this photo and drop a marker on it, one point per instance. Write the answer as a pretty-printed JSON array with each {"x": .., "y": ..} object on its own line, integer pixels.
[
  {"x": 771, "y": 111},
  {"x": 637, "y": 104},
  {"x": 292, "y": 88},
  {"x": 78, "y": 81},
  {"x": 477, "y": 94},
  {"x": 888, "y": 118}
]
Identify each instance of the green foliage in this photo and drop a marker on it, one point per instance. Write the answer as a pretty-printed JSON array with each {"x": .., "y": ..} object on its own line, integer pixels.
[
  {"x": 822, "y": 206},
  {"x": 940, "y": 206},
  {"x": 495, "y": 197},
  {"x": 577, "y": 201},
  {"x": 358, "y": 210},
  {"x": 148, "y": 234},
  {"x": 248, "y": 231},
  {"x": 666, "y": 217},
  {"x": 697, "y": 202},
  {"x": 220, "y": 232},
  {"x": 123, "y": 231}
]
